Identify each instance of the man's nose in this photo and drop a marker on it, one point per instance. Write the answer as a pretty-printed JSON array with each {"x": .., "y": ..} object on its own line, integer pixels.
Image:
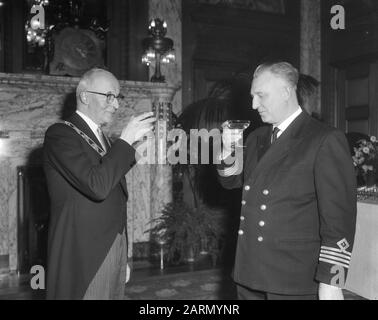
[
  {"x": 116, "y": 104},
  {"x": 255, "y": 103}
]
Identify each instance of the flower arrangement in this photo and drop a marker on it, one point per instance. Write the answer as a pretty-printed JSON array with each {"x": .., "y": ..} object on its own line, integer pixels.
[{"x": 365, "y": 157}]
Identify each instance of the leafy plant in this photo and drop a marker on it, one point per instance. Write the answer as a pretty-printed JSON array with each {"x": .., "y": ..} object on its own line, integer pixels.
[{"x": 181, "y": 228}]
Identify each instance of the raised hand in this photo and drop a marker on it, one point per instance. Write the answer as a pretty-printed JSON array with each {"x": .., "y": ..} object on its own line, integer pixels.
[
  {"x": 138, "y": 127},
  {"x": 230, "y": 137}
]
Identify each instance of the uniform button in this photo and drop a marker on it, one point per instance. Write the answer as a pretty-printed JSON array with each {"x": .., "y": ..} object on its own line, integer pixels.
[
  {"x": 247, "y": 188},
  {"x": 265, "y": 192},
  {"x": 263, "y": 207},
  {"x": 262, "y": 223},
  {"x": 241, "y": 232},
  {"x": 260, "y": 239},
  {"x": 244, "y": 203},
  {"x": 242, "y": 218}
]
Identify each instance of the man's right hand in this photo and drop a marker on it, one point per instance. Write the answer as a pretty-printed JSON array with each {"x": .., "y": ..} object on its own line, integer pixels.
[
  {"x": 137, "y": 127},
  {"x": 229, "y": 139}
]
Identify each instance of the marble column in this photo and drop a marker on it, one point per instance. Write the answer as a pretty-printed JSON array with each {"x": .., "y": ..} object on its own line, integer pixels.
[
  {"x": 310, "y": 43},
  {"x": 171, "y": 12}
]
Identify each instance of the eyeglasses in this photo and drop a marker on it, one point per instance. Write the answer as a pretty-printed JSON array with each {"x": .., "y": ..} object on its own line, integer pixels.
[{"x": 109, "y": 96}]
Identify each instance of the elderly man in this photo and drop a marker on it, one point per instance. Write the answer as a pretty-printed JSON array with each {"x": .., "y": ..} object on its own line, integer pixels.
[
  {"x": 87, "y": 246},
  {"x": 298, "y": 211}
]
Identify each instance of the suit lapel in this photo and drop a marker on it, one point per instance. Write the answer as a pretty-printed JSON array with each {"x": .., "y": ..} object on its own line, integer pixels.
[
  {"x": 123, "y": 180},
  {"x": 263, "y": 143},
  {"x": 274, "y": 153},
  {"x": 83, "y": 126}
]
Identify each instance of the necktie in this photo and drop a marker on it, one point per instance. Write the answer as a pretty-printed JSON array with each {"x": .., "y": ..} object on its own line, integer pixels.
[
  {"x": 274, "y": 137},
  {"x": 102, "y": 139}
]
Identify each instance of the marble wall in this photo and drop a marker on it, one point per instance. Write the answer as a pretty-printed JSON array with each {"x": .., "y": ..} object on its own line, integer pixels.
[
  {"x": 28, "y": 105},
  {"x": 171, "y": 12},
  {"x": 310, "y": 43}
]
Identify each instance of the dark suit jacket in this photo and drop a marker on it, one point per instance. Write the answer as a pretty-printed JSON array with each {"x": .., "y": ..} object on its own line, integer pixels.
[
  {"x": 298, "y": 209},
  {"x": 88, "y": 205}
]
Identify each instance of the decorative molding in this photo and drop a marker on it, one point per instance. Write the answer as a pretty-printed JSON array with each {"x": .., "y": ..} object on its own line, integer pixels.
[{"x": 41, "y": 81}]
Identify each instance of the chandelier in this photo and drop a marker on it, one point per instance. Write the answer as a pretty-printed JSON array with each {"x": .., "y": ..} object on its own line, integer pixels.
[{"x": 158, "y": 48}]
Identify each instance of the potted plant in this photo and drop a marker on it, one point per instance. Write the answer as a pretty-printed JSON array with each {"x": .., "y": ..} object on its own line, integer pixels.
[{"x": 183, "y": 230}]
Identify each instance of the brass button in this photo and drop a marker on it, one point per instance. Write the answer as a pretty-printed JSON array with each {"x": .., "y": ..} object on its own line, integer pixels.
[
  {"x": 263, "y": 207},
  {"x": 242, "y": 218},
  {"x": 262, "y": 223},
  {"x": 265, "y": 192},
  {"x": 244, "y": 203},
  {"x": 260, "y": 239},
  {"x": 247, "y": 188},
  {"x": 241, "y": 232}
]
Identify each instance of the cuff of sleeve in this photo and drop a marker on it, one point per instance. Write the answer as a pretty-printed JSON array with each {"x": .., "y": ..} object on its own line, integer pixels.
[
  {"x": 227, "y": 171},
  {"x": 331, "y": 274}
]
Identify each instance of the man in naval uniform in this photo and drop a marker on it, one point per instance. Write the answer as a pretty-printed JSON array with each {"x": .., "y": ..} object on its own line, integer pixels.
[
  {"x": 87, "y": 246},
  {"x": 298, "y": 211}
]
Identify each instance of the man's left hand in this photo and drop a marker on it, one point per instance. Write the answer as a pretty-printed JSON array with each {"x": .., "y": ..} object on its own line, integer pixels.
[{"x": 328, "y": 292}]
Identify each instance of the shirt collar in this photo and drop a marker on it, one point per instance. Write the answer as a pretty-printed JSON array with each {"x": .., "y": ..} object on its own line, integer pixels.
[
  {"x": 284, "y": 125},
  {"x": 89, "y": 122}
]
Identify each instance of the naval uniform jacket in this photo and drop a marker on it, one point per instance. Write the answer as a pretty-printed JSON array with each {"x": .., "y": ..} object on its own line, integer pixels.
[
  {"x": 298, "y": 211},
  {"x": 88, "y": 205}
]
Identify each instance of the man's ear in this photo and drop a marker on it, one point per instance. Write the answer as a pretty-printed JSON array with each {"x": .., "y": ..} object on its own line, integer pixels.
[
  {"x": 83, "y": 97},
  {"x": 287, "y": 92}
]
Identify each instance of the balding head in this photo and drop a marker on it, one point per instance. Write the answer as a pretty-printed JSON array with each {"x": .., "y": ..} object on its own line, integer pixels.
[
  {"x": 90, "y": 79},
  {"x": 91, "y": 97}
]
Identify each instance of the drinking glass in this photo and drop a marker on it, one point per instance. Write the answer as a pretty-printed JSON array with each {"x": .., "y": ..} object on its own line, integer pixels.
[{"x": 237, "y": 127}]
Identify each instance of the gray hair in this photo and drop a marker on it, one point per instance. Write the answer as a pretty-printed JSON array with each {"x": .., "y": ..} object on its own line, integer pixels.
[
  {"x": 88, "y": 78},
  {"x": 283, "y": 70}
]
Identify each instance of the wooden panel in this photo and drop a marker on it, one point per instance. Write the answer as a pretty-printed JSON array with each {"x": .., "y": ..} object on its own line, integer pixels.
[
  {"x": 13, "y": 35},
  {"x": 117, "y": 39},
  {"x": 137, "y": 32},
  {"x": 220, "y": 42},
  {"x": 2, "y": 30},
  {"x": 361, "y": 126},
  {"x": 207, "y": 73},
  {"x": 357, "y": 113},
  {"x": 340, "y": 100},
  {"x": 358, "y": 92},
  {"x": 373, "y": 98}
]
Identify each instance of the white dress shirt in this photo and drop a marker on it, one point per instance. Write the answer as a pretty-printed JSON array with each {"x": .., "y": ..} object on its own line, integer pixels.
[
  {"x": 286, "y": 123},
  {"x": 283, "y": 126},
  {"x": 93, "y": 126}
]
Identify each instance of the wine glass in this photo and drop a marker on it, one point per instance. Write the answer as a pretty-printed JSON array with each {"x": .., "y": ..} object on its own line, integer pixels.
[{"x": 237, "y": 127}]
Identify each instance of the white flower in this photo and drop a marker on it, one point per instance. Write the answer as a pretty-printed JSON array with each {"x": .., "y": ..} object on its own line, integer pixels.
[
  {"x": 373, "y": 139},
  {"x": 366, "y": 150}
]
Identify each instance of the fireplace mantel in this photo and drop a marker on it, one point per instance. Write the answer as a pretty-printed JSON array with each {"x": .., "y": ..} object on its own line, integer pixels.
[
  {"x": 46, "y": 82},
  {"x": 29, "y": 104}
]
